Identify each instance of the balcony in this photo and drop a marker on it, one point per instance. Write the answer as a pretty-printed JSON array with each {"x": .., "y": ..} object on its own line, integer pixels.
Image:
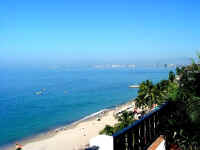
[
  {"x": 138, "y": 136},
  {"x": 141, "y": 134}
]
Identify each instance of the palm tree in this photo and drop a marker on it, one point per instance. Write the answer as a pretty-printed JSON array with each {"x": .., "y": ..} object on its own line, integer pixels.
[
  {"x": 145, "y": 93},
  {"x": 108, "y": 130},
  {"x": 150, "y": 94},
  {"x": 124, "y": 120},
  {"x": 171, "y": 76}
]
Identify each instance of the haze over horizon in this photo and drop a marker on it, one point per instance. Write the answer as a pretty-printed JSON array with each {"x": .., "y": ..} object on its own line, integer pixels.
[{"x": 92, "y": 32}]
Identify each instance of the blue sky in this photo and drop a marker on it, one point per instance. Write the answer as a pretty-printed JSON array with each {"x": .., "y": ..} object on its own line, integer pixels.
[{"x": 98, "y": 31}]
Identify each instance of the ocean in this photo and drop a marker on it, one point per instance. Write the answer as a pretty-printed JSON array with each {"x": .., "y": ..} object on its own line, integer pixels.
[{"x": 35, "y": 100}]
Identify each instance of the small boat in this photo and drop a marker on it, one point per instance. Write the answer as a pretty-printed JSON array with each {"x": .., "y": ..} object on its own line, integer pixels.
[
  {"x": 43, "y": 89},
  {"x": 134, "y": 86},
  {"x": 38, "y": 93},
  {"x": 65, "y": 92}
]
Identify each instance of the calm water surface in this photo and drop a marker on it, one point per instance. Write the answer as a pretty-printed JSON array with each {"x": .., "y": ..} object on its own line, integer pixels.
[{"x": 36, "y": 100}]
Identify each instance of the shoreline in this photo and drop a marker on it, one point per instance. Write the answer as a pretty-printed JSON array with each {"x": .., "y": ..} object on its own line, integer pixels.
[{"x": 52, "y": 133}]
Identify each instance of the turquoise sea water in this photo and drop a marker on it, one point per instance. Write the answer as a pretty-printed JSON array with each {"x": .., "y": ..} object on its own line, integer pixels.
[{"x": 67, "y": 95}]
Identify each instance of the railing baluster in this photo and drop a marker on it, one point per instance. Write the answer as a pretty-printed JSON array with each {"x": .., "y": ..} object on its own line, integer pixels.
[
  {"x": 157, "y": 123},
  {"x": 147, "y": 131},
  {"x": 133, "y": 144},
  {"x": 151, "y": 128},
  {"x": 126, "y": 141},
  {"x": 154, "y": 125},
  {"x": 137, "y": 140},
  {"x": 141, "y": 133},
  {"x": 142, "y": 140},
  {"x": 130, "y": 140}
]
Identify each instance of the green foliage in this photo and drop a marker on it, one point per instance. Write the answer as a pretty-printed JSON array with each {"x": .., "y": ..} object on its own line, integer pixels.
[
  {"x": 145, "y": 94},
  {"x": 124, "y": 120},
  {"x": 149, "y": 94},
  {"x": 178, "y": 71},
  {"x": 184, "y": 124},
  {"x": 171, "y": 76},
  {"x": 108, "y": 130},
  {"x": 184, "y": 97}
]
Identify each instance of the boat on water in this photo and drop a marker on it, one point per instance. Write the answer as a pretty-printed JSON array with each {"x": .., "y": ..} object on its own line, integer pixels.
[
  {"x": 134, "y": 86},
  {"x": 38, "y": 93}
]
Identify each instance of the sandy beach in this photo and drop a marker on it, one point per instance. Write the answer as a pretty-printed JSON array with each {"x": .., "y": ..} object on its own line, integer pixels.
[{"x": 77, "y": 135}]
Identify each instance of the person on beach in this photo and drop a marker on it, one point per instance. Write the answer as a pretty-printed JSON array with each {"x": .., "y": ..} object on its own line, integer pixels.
[
  {"x": 18, "y": 146},
  {"x": 135, "y": 111}
]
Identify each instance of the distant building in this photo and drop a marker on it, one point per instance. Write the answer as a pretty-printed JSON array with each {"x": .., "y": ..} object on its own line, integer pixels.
[
  {"x": 131, "y": 66},
  {"x": 115, "y": 66}
]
